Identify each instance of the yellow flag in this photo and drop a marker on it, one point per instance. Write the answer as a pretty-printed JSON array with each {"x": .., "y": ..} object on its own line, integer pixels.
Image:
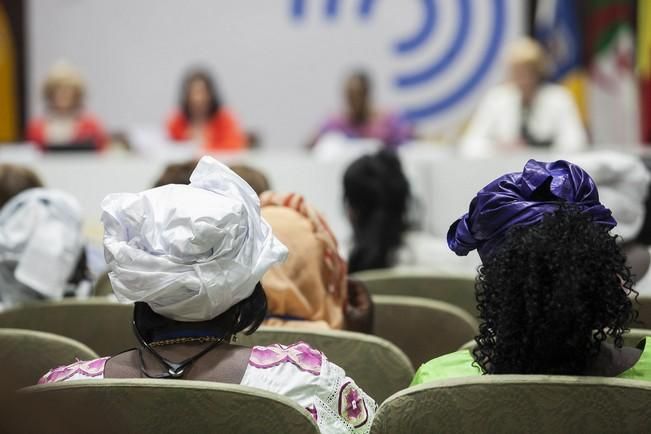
[
  {"x": 644, "y": 39},
  {"x": 8, "y": 101},
  {"x": 575, "y": 83}
]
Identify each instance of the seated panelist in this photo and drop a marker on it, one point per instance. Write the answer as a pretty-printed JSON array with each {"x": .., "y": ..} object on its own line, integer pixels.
[
  {"x": 526, "y": 112},
  {"x": 202, "y": 117},
  {"x": 66, "y": 125}
]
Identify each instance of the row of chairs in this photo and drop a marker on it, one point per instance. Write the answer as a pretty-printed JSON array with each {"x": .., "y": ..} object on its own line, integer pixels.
[
  {"x": 502, "y": 403},
  {"x": 420, "y": 328},
  {"x": 453, "y": 289},
  {"x": 457, "y": 290}
]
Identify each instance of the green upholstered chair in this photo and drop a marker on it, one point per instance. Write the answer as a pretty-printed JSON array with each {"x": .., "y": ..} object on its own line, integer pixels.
[
  {"x": 634, "y": 336},
  {"x": 631, "y": 339},
  {"x": 102, "y": 287},
  {"x": 518, "y": 404},
  {"x": 102, "y": 325},
  {"x": 422, "y": 328},
  {"x": 377, "y": 366},
  {"x": 470, "y": 345},
  {"x": 160, "y": 406},
  {"x": 26, "y": 355},
  {"x": 643, "y": 307},
  {"x": 456, "y": 290}
]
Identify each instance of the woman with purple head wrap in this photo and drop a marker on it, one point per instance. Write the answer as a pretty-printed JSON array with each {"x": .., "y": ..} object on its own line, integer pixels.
[{"x": 553, "y": 284}]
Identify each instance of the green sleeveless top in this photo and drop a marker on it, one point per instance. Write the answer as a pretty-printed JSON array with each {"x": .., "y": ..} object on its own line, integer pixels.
[{"x": 459, "y": 364}]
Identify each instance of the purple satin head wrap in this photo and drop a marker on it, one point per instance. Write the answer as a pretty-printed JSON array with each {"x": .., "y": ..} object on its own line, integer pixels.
[{"x": 522, "y": 199}]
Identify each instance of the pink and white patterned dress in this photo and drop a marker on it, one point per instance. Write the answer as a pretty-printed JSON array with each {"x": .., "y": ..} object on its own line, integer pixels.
[{"x": 298, "y": 372}]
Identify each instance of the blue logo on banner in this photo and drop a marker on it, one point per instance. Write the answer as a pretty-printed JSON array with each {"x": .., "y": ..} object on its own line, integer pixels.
[{"x": 449, "y": 57}]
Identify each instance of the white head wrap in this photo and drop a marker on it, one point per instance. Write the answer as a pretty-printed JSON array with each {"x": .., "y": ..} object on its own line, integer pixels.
[
  {"x": 189, "y": 251},
  {"x": 623, "y": 183},
  {"x": 40, "y": 234}
]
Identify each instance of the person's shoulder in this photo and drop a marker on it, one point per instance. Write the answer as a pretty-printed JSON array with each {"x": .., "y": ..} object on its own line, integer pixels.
[
  {"x": 81, "y": 369},
  {"x": 304, "y": 374},
  {"x": 36, "y": 122},
  {"x": 299, "y": 355},
  {"x": 224, "y": 114},
  {"x": 555, "y": 92},
  {"x": 89, "y": 119},
  {"x": 499, "y": 96},
  {"x": 458, "y": 364},
  {"x": 176, "y": 117},
  {"x": 502, "y": 90}
]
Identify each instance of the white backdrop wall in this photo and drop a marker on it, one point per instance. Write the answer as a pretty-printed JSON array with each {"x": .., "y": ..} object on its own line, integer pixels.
[{"x": 280, "y": 72}]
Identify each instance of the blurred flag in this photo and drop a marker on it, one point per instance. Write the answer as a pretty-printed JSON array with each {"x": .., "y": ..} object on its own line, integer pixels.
[
  {"x": 644, "y": 67},
  {"x": 8, "y": 85},
  {"x": 613, "y": 88},
  {"x": 557, "y": 28}
]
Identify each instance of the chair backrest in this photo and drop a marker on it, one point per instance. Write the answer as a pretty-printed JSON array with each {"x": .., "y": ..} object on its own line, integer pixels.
[
  {"x": 103, "y": 287},
  {"x": 160, "y": 406},
  {"x": 456, "y": 290},
  {"x": 422, "y": 328},
  {"x": 102, "y": 325},
  {"x": 376, "y": 365},
  {"x": 26, "y": 355},
  {"x": 517, "y": 404},
  {"x": 631, "y": 339},
  {"x": 634, "y": 336},
  {"x": 643, "y": 307}
]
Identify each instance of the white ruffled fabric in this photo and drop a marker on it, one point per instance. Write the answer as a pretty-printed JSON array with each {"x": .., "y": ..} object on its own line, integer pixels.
[
  {"x": 623, "y": 183},
  {"x": 189, "y": 251},
  {"x": 40, "y": 244}
]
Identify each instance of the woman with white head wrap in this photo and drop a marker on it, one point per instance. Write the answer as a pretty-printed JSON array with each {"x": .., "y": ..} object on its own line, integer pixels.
[
  {"x": 41, "y": 246},
  {"x": 191, "y": 258}
]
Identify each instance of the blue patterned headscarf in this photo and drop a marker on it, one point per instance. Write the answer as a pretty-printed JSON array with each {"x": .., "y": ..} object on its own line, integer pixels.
[{"x": 522, "y": 199}]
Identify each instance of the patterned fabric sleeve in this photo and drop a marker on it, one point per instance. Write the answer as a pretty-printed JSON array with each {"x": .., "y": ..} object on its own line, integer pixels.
[
  {"x": 305, "y": 375},
  {"x": 80, "y": 370}
]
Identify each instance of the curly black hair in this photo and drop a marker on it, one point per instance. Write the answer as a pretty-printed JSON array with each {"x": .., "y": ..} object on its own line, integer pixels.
[{"x": 549, "y": 295}]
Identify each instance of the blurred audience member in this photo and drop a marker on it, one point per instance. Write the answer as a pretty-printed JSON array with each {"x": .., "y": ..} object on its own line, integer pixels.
[
  {"x": 362, "y": 120},
  {"x": 15, "y": 179},
  {"x": 203, "y": 118},
  {"x": 255, "y": 178},
  {"x": 526, "y": 111},
  {"x": 65, "y": 123},
  {"x": 179, "y": 173},
  {"x": 623, "y": 182},
  {"x": 377, "y": 196},
  {"x": 41, "y": 247},
  {"x": 311, "y": 288}
]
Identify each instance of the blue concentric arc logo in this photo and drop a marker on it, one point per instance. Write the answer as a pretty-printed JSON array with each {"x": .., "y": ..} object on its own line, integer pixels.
[{"x": 425, "y": 32}]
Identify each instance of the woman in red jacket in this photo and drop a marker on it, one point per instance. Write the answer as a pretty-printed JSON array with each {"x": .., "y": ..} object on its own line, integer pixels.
[
  {"x": 202, "y": 117},
  {"x": 65, "y": 124}
]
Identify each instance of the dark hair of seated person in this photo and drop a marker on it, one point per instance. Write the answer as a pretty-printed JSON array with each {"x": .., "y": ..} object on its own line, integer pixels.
[
  {"x": 245, "y": 316},
  {"x": 377, "y": 195},
  {"x": 177, "y": 173},
  {"x": 550, "y": 295},
  {"x": 15, "y": 179}
]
